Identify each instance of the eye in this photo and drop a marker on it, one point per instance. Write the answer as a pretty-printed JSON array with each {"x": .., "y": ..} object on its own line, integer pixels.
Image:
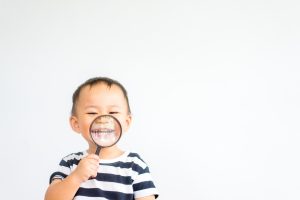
[
  {"x": 113, "y": 113},
  {"x": 91, "y": 113}
]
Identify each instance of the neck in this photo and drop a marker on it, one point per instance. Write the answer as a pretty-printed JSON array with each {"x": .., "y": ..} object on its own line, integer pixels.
[{"x": 107, "y": 152}]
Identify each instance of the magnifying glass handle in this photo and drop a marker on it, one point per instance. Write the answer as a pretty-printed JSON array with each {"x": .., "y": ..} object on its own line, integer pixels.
[
  {"x": 98, "y": 150},
  {"x": 97, "y": 153}
]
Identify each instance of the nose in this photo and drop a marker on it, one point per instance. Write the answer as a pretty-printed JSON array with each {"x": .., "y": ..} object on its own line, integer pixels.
[{"x": 103, "y": 119}]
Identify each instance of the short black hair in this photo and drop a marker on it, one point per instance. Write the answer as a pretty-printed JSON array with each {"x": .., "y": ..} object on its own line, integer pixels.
[{"x": 93, "y": 81}]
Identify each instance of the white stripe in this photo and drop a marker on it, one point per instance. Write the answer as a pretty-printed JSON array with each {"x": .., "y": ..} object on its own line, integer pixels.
[
  {"x": 57, "y": 177},
  {"x": 142, "y": 178},
  {"x": 146, "y": 192},
  {"x": 124, "y": 158},
  {"x": 74, "y": 156},
  {"x": 139, "y": 162},
  {"x": 104, "y": 169},
  {"x": 108, "y": 186},
  {"x": 116, "y": 170},
  {"x": 64, "y": 170},
  {"x": 121, "y": 158},
  {"x": 127, "y": 158}
]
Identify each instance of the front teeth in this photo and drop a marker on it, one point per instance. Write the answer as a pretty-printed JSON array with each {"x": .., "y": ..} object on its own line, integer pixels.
[
  {"x": 104, "y": 137},
  {"x": 99, "y": 133}
]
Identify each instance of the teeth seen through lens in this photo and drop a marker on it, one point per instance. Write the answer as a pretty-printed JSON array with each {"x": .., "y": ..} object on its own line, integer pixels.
[{"x": 104, "y": 137}]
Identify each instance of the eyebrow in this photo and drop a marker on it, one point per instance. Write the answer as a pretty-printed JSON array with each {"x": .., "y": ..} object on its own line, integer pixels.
[
  {"x": 110, "y": 106},
  {"x": 90, "y": 106}
]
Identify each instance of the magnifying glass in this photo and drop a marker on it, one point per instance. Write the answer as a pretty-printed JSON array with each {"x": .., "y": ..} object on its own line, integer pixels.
[{"x": 105, "y": 131}]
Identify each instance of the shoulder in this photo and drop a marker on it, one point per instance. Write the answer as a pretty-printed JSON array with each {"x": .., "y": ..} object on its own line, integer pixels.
[
  {"x": 134, "y": 156},
  {"x": 136, "y": 160},
  {"x": 73, "y": 158},
  {"x": 143, "y": 184},
  {"x": 79, "y": 154}
]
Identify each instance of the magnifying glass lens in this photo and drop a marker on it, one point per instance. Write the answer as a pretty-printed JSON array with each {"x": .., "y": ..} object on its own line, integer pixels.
[{"x": 105, "y": 130}]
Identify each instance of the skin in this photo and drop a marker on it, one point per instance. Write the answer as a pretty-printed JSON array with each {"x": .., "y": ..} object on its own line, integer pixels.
[{"x": 93, "y": 101}]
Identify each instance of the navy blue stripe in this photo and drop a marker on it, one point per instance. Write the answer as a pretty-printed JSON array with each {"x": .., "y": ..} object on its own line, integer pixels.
[
  {"x": 80, "y": 153},
  {"x": 64, "y": 163},
  {"x": 57, "y": 174},
  {"x": 69, "y": 162},
  {"x": 95, "y": 192},
  {"x": 144, "y": 171},
  {"x": 135, "y": 155},
  {"x": 126, "y": 180},
  {"x": 127, "y": 165},
  {"x": 143, "y": 185}
]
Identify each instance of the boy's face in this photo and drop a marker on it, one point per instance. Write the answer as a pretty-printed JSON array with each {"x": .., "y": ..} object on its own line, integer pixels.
[{"x": 99, "y": 100}]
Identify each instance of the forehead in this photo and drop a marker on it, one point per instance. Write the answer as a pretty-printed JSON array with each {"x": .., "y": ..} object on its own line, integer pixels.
[{"x": 101, "y": 93}]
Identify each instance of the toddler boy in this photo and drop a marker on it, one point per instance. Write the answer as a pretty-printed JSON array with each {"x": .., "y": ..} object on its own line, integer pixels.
[{"x": 119, "y": 175}]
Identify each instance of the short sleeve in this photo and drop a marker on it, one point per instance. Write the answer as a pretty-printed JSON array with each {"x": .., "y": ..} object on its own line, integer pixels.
[
  {"x": 62, "y": 171},
  {"x": 66, "y": 166},
  {"x": 143, "y": 184}
]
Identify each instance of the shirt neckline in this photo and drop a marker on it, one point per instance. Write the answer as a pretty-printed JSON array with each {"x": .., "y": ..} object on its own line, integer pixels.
[{"x": 119, "y": 158}]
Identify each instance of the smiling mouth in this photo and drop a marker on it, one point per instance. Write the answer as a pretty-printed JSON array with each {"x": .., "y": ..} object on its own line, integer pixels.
[
  {"x": 99, "y": 132},
  {"x": 104, "y": 137}
]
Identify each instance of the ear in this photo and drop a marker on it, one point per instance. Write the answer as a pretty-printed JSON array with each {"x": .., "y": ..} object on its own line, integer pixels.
[
  {"x": 74, "y": 124},
  {"x": 127, "y": 122}
]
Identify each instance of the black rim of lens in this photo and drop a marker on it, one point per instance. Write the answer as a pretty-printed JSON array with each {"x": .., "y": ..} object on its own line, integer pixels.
[{"x": 115, "y": 119}]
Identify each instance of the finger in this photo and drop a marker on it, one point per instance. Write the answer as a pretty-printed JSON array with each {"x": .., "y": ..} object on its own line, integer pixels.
[
  {"x": 93, "y": 156},
  {"x": 93, "y": 167},
  {"x": 93, "y": 162},
  {"x": 93, "y": 172}
]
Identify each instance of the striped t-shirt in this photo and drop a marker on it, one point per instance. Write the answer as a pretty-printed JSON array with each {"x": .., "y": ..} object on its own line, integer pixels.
[{"x": 124, "y": 178}]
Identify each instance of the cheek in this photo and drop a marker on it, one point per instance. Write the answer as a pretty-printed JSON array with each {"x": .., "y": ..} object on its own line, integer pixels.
[
  {"x": 85, "y": 126},
  {"x": 85, "y": 131},
  {"x": 125, "y": 125}
]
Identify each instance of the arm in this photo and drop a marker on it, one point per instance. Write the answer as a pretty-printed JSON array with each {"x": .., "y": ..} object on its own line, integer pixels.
[
  {"x": 147, "y": 198},
  {"x": 66, "y": 189},
  {"x": 63, "y": 189}
]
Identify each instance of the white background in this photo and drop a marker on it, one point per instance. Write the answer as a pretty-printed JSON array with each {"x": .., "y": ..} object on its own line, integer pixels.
[{"x": 213, "y": 86}]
